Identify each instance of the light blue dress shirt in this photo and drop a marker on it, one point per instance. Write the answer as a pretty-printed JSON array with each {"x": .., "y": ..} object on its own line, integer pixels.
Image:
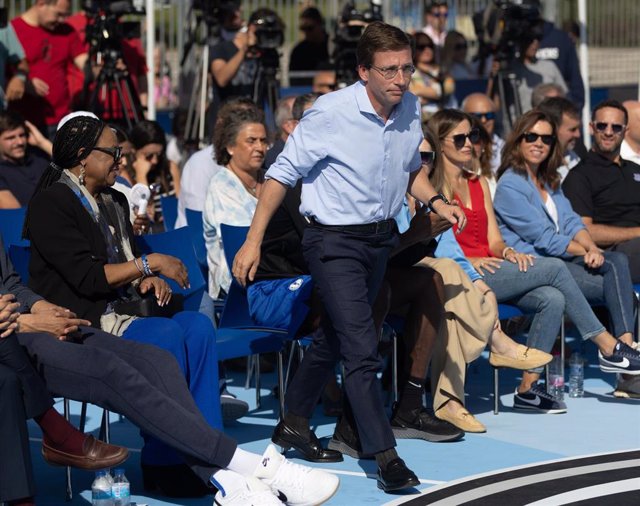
[{"x": 354, "y": 166}]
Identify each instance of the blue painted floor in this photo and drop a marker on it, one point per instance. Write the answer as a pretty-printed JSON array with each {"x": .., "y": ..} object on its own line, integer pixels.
[{"x": 597, "y": 423}]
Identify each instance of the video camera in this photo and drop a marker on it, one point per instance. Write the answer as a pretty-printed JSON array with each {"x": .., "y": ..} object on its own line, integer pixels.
[
  {"x": 104, "y": 31},
  {"x": 503, "y": 26},
  {"x": 269, "y": 32},
  {"x": 349, "y": 29}
]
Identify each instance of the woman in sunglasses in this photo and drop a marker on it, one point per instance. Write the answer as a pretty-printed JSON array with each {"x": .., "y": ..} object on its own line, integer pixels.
[
  {"x": 535, "y": 217},
  {"x": 428, "y": 83},
  {"x": 83, "y": 257},
  {"x": 150, "y": 163}
]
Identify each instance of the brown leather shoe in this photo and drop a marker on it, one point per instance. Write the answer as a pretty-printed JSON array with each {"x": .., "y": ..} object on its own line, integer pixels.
[{"x": 95, "y": 455}]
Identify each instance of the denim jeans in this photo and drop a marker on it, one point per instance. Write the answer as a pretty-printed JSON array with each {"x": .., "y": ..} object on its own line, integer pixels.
[
  {"x": 547, "y": 290},
  {"x": 609, "y": 285}
]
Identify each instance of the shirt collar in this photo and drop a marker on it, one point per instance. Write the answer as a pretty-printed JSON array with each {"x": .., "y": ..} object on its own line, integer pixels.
[
  {"x": 594, "y": 158},
  {"x": 365, "y": 105}
]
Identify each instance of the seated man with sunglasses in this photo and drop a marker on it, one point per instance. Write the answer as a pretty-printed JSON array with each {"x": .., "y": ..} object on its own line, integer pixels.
[
  {"x": 603, "y": 188},
  {"x": 483, "y": 108}
]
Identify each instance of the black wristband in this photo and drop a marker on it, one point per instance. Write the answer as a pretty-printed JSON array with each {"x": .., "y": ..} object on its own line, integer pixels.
[{"x": 439, "y": 196}]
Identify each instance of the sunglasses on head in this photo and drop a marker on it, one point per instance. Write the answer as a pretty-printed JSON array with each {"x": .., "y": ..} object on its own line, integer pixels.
[
  {"x": 459, "y": 140},
  {"x": 531, "y": 137},
  {"x": 487, "y": 116},
  {"x": 616, "y": 128},
  {"x": 427, "y": 157},
  {"x": 115, "y": 152}
]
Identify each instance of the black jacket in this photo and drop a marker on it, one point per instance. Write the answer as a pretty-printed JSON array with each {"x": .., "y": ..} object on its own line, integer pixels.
[{"x": 68, "y": 252}]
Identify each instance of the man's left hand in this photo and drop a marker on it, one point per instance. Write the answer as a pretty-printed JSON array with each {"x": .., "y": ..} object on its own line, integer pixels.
[
  {"x": 44, "y": 306},
  {"x": 451, "y": 212}
]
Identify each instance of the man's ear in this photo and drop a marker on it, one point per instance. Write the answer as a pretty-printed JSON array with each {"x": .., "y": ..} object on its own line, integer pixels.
[{"x": 363, "y": 73}]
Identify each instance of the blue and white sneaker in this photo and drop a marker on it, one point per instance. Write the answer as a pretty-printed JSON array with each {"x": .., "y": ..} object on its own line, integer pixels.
[
  {"x": 537, "y": 400},
  {"x": 624, "y": 359}
]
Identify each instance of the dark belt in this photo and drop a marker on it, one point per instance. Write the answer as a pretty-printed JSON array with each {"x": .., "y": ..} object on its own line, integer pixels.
[{"x": 379, "y": 227}]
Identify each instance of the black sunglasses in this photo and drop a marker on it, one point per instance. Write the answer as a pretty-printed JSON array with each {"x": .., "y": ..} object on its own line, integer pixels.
[
  {"x": 531, "y": 137},
  {"x": 601, "y": 126},
  {"x": 115, "y": 152},
  {"x": 422, "y": 47},
  {"x": 427, "y": 157},
  {"x": 459, "y": 140},
  {"x": 487, "y": 116}
]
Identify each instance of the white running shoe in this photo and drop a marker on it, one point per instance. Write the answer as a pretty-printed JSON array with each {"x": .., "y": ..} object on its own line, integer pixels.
[
  {"x": 255, "y": 493},
  {"x": 295, "y": 485}
]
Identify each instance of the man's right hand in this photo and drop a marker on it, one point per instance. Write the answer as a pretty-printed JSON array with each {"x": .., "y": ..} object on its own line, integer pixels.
[
  {"x": 246, "y": 263},
  {"x": 58, "y": 323},
  {"x": 39, "y": 87}
]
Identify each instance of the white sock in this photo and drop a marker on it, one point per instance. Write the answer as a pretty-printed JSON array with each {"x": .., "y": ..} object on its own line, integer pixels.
[
  {"x": 244, "y": 462},
  {"x": 227, "y": 482}
]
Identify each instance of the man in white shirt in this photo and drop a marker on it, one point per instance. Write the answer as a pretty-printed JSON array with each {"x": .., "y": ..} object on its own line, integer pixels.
[
  {"x": 630, "y": 149},
  {"x": 436, "y": 14},
  {"x": 483, "y": 108}
]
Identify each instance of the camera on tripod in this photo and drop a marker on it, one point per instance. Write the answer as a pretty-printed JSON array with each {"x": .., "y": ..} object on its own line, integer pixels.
[
  {"x": 503, "y": 27},
  {"x": 349, "y": 29},
  {"x": 104, "y": 32}
]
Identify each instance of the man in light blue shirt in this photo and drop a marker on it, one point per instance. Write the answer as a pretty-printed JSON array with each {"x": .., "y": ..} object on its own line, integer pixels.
[{"x": 356, "y": 151}]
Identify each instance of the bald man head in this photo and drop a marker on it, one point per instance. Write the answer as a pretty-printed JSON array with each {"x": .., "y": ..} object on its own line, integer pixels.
[
  {"x": 481, "y": 106},
  {"x": 632, "y": 136}
]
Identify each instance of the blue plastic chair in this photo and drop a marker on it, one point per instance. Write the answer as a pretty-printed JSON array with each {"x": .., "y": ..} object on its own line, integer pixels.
[
  {"x": 235, "y": 314},
  {"x": 11, "y": 222},
  {"x": 194, "y": 224},
  {"x": 177, "y": 243},
  {"x": 169, "y": 206},
  {"x": 20, "y": 256}
]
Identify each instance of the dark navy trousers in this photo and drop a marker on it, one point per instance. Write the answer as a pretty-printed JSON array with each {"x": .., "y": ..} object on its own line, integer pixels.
[{"x": 348, "y": 269}]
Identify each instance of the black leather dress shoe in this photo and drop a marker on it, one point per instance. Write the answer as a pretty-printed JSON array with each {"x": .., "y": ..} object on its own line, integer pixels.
[
  {"x": 308, "y": 446},
  {"x": 396, "y": 476}
]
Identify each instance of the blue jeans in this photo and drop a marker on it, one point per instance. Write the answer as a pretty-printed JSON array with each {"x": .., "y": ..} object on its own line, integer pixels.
[
  {"x": 610, "y": 285},
  {"x": 547, "y": 290},
  {"x": 190, "y": 337}
]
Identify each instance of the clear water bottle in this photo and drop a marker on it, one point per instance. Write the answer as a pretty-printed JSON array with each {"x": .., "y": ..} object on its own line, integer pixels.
[
  {"x": 556, "y": 378},
  {"x": 120, "y": 489},
  {"x": 576, "y": 375},
  {"x": 101, "y": 490}
]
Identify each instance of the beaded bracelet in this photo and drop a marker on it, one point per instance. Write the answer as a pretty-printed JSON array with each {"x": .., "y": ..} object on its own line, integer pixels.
[{"x": 145, "y": 266}]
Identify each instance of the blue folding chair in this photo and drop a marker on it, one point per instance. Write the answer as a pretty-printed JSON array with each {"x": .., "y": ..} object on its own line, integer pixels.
[
  {"x": 169, "y": 206},
  {"x": 177, "y": 243},
  {"x": 235, "y": 314},
  {"x": 11, "y": 222},
  {"x": 194, "y": 224}
]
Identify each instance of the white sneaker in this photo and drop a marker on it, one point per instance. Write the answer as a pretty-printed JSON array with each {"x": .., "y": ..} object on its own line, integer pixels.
[
  {"x": 296, "y": 485},
  {"x": 255, "y": 493}
]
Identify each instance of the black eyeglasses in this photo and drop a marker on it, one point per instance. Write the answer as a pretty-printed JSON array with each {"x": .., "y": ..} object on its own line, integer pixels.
[
  {"x": 460, "y": 46},
  {"x": 616, "y": 128},
  {"x": 531, "y": 137},
  {"x": 487, "y": 116},
  {"x": 427, "y": 157},
  {"x": 149, "y": 156},
  {"x": 459, "y": 140},
  {"x": 391, "y": 72},
  {"x": 115, "y": 152}
]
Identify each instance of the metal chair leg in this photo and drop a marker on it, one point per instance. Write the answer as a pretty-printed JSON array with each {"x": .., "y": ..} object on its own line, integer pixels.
[
  {"x": 69, "y": 487},
  {"x": 281, "y": 383},
  {"x": 83, "y": 417},
  {"x": 562, "y": 351},
  {"x": 257, "y": 373},
  {"x": 104, "y": 427},
  {"x": 496, "y": 391},
  {"x": 247, "y": 383}
]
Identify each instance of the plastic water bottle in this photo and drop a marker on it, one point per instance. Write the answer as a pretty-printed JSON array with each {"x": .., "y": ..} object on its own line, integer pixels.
[
  {"x": 120, "y": 489},
  {"x": 101, "y": 490},
  {"x": 576, "y": 375},
  {"x": 556, "y": 378}
]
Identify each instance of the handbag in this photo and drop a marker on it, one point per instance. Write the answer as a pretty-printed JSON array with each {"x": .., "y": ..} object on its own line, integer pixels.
[{"x": 147, "y": 305}]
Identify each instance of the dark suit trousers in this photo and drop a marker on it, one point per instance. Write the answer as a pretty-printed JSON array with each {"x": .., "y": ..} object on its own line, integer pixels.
[
  {"x": 140, "y": 381},
  {"x": 22, "y": 395},
  {"x": 348, "y": 269}
]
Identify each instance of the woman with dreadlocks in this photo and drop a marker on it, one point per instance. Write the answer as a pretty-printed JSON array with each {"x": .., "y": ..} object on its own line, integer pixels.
[{"x": 83, "y": 259}]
